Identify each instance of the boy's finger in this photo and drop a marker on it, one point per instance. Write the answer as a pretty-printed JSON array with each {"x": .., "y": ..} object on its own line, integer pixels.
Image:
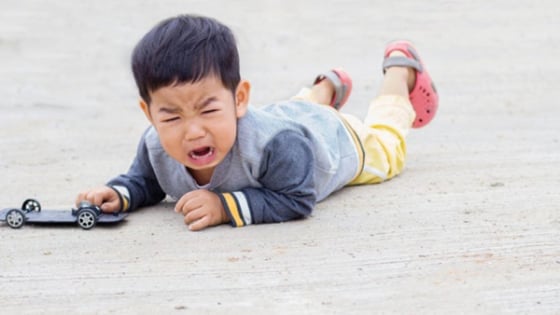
[
  {"x": 98, "y": 199},
  {"x": 181, "y": 203},
  {"x": 188, "y": 204},
  {"x": 79, "y": 198},
  {"x": 112, "y": 206},
  {"x": 199, "y": 224},
  {"x": 193, "y": 216}
]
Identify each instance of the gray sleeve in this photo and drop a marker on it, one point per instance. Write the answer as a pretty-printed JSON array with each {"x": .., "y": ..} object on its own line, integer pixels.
[
  {"x": 287, "y": 178},
  {"x": 140, "y": 180}
]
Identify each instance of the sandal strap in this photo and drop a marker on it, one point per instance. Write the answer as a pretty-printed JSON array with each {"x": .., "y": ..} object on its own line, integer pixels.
[
  {"x": 339, "y": 87},
  {"x": 401, "y": 61}
]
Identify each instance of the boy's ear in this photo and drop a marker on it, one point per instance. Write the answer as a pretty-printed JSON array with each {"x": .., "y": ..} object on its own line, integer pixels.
[
  {"x": 146, "y": 109},
  {"x": 242, "y": 94}
]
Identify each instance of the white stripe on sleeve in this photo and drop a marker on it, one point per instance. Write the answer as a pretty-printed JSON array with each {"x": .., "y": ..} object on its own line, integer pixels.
[{"x": 245, "y": 210}]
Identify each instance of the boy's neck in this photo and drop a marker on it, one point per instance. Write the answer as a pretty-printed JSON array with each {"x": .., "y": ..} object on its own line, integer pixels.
[{"x": 202, "y": 177}]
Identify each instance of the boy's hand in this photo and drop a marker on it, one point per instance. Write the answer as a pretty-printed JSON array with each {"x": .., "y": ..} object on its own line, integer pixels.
[
  {"x": 104, "y": 197},
  {"x": 201, "y": 208}
]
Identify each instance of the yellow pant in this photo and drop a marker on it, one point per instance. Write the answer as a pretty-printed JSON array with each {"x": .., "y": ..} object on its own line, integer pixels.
[{"x": 382, "y": 135}]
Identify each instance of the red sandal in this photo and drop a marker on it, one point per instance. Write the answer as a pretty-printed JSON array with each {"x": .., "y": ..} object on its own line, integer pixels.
[
  {"x": 424, "y": 97},
  {"x": 342, "y": 86}
]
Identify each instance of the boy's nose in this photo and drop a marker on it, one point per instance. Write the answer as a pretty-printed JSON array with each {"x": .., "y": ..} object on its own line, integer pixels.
[{"x": 193, "y": 131}]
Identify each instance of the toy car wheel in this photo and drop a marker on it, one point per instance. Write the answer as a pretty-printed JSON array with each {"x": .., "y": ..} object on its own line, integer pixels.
[
  {"x": 15, "y": 218},
  {"x": 87, "y": 219},
  {"x": 31, "y": 205}
]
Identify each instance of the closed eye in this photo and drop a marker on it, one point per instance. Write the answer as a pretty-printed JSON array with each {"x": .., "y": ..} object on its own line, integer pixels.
[
  {"x": 210, "y": 111},
  {"x": 170, "y": 119}
]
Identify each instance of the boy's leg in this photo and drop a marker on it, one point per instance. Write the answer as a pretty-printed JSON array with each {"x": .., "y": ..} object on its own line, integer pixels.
[
  {"x": 389, "y": 119},
  {"x": 383, "y": 132}
]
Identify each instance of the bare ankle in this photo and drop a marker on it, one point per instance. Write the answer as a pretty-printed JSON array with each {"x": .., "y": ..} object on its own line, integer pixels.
[
  {"x": 409, "y": 74},
  {"x": 323, "y": 92}
]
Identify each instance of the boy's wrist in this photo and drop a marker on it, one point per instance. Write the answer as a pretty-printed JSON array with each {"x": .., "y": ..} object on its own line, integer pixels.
[
  {"x": 123, "y": 195},
  {"x": 223, "y": 214}
]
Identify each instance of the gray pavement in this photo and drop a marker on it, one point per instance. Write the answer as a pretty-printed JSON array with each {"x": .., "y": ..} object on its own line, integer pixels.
[{"x": 472, "y": 225}]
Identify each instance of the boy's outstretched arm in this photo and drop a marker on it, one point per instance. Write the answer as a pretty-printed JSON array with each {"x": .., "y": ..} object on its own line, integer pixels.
[
  {"x": 288, "y": 187},
  {"x": 139, "y": 187}
]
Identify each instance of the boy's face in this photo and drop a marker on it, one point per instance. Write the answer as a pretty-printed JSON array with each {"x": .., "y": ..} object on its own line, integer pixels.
[{"x": 197, "y": 122}]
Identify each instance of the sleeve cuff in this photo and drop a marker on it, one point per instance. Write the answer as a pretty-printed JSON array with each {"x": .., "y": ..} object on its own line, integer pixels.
[{"x": 237, "y": 208}]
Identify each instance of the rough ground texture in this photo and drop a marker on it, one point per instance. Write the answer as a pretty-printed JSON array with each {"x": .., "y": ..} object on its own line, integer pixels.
[{"x": 472, "y": 226}]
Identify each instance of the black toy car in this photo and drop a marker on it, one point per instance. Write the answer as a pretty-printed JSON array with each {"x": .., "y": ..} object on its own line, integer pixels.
[{"x": 86, "y": 215}]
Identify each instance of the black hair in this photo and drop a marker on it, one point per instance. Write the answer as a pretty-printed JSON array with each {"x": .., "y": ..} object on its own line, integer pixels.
[{"x": 185, "y": 49}]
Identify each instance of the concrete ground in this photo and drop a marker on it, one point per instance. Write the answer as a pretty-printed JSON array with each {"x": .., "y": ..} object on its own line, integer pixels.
[{"x": 472, "y": 226}]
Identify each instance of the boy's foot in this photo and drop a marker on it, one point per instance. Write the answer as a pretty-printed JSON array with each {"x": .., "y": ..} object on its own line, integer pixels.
[
  {"x": 341, "y": 86},
  {"x": 423, "y": 95}
]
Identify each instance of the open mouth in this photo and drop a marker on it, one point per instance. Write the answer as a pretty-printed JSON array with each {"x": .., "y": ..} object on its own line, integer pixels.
[{"x": 201, "y": 153}]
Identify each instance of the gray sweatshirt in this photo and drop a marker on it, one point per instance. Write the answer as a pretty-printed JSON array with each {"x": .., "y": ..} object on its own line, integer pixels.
[{"x": 286, "y": 157}]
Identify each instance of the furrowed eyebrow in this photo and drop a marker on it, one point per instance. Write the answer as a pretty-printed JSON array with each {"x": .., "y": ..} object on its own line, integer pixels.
[
  {"x": 168, "y": 110},
  {"x": 205, "y": 103}
]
